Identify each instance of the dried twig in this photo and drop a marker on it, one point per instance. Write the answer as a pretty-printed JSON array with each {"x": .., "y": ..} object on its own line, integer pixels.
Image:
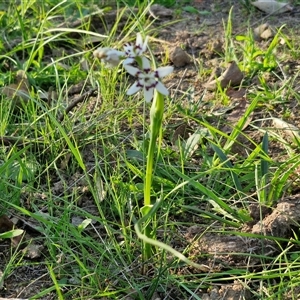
[{"x": 77, "y": 100}]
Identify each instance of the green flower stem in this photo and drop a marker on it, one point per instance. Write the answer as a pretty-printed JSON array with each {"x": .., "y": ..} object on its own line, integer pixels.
[{"x": 156, "y": 116}]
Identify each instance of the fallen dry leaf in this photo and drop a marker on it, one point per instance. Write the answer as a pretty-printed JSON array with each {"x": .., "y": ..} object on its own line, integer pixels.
[
  {"x": 286, "y": 130},
  {"x": 33, "y": 251},
  {"x": 6, "y": 224},
  {"x": 272, "y": 6},
  {"x": 232, "y": 76},
  {"x": 183, "y": 131},
  {"x": 18, "y": 91}
]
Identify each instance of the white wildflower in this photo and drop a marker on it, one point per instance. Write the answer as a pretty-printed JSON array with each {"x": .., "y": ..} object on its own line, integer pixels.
[
  {"x": 147, "y": 79},
  {"x": 132, "y": 51}
]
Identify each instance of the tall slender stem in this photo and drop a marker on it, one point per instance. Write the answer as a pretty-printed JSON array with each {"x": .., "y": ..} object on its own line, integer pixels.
[{"x": 156, "y": 116}]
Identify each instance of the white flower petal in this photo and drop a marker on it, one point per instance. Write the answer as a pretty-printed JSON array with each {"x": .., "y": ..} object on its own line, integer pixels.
[
  {"x": 133, "y": 89},
  {"x": 162, "y": 89},
  {"x": 143, "y": 75},
  {"x": 139, "y": 40},
  {"x": 135, "y": 50},
  {"x": 129, "y": 50},
  {"x": 112, "y": 58},
  {"x": 145, "y": 44},
  {"x": 141, "y": 82},
  {"x": 148, "y": 94},
  {"x": 128, "y": 61},
  {"x": 150, "y": 82},
  {"x": 146, "y": 63},
  {"x": 115, "y": 52},
  {"x": 131, "y": 70},
  {"x": 128, "y": 47},
  {"x": 164, "y": 71}
]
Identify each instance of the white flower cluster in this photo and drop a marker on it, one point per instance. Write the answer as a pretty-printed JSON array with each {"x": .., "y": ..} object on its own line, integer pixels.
[{"x": 146, "y": 79}]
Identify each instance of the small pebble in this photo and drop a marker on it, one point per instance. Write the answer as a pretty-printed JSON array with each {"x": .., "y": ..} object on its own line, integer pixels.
[{"x": 179, "y": 57}]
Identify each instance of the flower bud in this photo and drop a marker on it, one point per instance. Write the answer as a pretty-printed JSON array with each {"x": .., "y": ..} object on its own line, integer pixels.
[{"x": 109, "y": 56}]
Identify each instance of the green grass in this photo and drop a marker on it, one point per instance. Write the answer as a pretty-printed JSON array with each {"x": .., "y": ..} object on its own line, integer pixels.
[
  {"x": 166, "y": 3},
  {"x": 79, "y": 181}
]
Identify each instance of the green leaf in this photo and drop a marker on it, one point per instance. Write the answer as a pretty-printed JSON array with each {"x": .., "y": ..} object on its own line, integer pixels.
[
  {"x": 145, "y": 210},
  {"x": 11, "y": 234},
  {"x": 84, "y": 224},
  {"x": 191, "y": 9},
  {"x": 190, "y": 145},
  {"x": 218, "y": 204},
  {"x": 23, "y": 169},
  {"x": 241, "y": 38},
  {"x": 204, "y": 12},
  {"x": 229, "y": 165}
]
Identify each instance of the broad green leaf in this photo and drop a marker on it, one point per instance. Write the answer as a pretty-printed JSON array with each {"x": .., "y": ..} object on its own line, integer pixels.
[{"x": 11, "y": 234}]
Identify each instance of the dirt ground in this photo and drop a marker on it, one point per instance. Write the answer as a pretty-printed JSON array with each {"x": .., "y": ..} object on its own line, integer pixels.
[{"x": 200, "y": 37}]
